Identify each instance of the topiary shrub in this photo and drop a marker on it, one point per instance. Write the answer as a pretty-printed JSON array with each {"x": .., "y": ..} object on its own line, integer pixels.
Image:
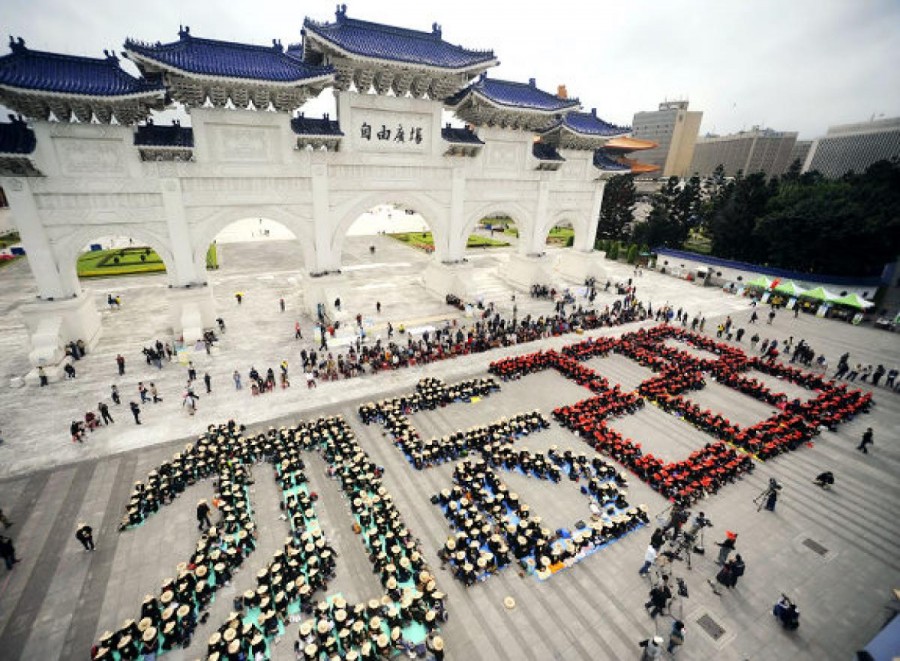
[
  {"x": 612, "y": 252},
  {"x": 632, "y": 253}
]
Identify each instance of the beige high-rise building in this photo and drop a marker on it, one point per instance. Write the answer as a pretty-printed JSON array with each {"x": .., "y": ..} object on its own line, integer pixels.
[
  {"x": 675, "y": 129},
  {"x": 758, "y": 150}
]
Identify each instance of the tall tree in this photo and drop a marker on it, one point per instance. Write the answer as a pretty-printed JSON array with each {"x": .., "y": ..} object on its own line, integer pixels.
[{"x": 617, "y": 211}]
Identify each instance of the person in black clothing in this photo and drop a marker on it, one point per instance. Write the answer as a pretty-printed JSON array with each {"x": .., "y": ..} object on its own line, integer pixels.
[
  {"x": 104, "y": 413},
  {"x": 85, "y": 535},
  {"x": 8, "y": 552},
  {"x": 659, "y": 597},
  {"x": 208, "y": 381},
  {"x": 866, "y": 440},
  {"x": 136, "y": 412},
  {"x": 115, "y": 394},
  {"x": 203, "y": 515}
]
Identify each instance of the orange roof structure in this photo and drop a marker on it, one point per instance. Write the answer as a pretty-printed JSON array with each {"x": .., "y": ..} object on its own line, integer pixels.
[
  {"x": 627, "y": 144},
  {"x": 639, "y": 168}
]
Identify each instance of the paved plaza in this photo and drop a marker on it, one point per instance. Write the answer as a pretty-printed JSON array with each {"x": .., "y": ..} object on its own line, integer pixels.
[{"x": 834, "y": 552}]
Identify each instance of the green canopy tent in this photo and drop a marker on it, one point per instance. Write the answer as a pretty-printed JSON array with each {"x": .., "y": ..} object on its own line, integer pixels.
[
  {"x": 790, "y": 288},
  {"x": 853, "y": 301},
  {"x": 762, "y": 282},
  {"x": 819, "y": 294}
]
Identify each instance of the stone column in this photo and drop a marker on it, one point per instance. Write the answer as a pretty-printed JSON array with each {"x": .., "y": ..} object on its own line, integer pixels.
[
  {"x": 191, "y": 304},
  {"x": 51, "y": 281}
]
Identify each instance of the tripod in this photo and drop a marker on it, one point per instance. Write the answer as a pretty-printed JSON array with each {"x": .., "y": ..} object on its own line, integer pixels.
[{"x": 761, "y": 499}]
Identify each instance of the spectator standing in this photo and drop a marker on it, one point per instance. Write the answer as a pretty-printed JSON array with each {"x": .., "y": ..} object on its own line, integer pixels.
[
  {"x": 104, "y": 413},
  {"x": 8, "y": 552},
  {"x": 136, "y": 412},
  {"x": 120, "y": 362}
]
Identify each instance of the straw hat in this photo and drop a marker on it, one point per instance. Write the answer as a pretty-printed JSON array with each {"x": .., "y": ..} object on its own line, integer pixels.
[
  {"x": 382, "y": 640},
  {"x": 170, "y": 627},
  {"x": 509, "y": 602},
  {"x": 183, "y": 610},
  {"x": 124, "y": 642},
  {"x": 214, "y": 639},
  {"x": 149, "y": 635},
  {"x": 144, "y": 624},
  {"x": 323, "y": 626},
  {"x": 229, "y": 634},
  {"x": 233, "y": 647},
  {"x": 437, "y": 643},
  {"x": 305, "y": 627}
]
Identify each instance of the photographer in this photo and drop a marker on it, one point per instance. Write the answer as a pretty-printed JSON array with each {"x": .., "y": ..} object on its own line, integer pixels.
[{"x": 772, "y": 494}]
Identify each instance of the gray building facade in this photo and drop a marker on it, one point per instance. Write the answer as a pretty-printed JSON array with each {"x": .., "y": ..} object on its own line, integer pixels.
[
  {"x": 758, "y": 150},
  {"x": 855, "y": 147},
  {"x": 675, "y": 129}
]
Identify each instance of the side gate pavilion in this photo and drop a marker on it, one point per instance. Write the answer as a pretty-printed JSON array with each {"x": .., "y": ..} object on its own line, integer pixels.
[{"x": 89, "y": 161}]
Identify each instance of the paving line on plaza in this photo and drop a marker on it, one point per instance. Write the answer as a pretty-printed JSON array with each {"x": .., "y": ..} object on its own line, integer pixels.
[
  {"x": 83, "y": 626},
  {"x": 618, "y": 608},
  {"x": 17, "y": 632}
]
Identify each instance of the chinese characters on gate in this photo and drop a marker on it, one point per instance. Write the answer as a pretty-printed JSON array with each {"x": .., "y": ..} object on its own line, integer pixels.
[{"x": 400, "y": 134}]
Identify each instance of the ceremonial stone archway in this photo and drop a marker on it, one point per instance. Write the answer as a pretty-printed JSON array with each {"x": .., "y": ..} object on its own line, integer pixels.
[{"x": 534, "y": 157}]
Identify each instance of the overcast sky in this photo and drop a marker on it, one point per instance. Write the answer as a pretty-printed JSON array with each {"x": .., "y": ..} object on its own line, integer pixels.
[{"x": 795, "y": 65}]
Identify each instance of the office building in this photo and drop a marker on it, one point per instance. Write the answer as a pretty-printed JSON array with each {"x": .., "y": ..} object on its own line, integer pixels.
[
  {"x": 855, "y": 147},
  {"x": 757, "y": 150}
]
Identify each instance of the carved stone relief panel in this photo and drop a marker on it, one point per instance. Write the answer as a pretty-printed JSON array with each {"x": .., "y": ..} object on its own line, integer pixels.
[
  {"x": 243, "y": 144},
  {"x": 91, "y": 157}
]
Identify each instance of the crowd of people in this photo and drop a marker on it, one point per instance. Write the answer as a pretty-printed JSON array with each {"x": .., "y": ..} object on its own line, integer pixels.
[{"x": 287, "y": 586}]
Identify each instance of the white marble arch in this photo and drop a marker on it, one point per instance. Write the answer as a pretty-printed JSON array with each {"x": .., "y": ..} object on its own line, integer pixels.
[
  {"x": 433, "y": 213},
  {"x": 578, "y": 221},
  {"x": 68, "y": 247},
  {"x": 520, "y": 215},
  {"x": 204, "y": 232}
]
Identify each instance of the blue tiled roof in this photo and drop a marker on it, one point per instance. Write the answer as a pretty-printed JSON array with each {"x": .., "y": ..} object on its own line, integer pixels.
[
  {"x": 227, "y": 59},
  {"x": 386, "y": 42},
  {"x": 174, "y": 135},
  {"x": 16, "y": 137},
  {"x": 69, "y": 74},
  {"x": 514, "y": 95},
  {"x": 463, "y": 135},
  {"x": 316, "y": 126},
  {"x": 604, "y": 161},
  {"x": 587, "y": 123},
  {"x": 545, "y": 152}
]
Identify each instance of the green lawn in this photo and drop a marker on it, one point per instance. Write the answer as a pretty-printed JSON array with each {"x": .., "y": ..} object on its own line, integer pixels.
[
  {"x": 424, "y": 241},
  {"x": 10, "y": 239},
  {"x": 559, "y": 236},
  {"x": 129, "y": 261}
]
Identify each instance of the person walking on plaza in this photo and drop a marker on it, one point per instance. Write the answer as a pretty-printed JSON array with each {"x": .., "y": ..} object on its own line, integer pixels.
[
  {"x": 726, "y": 546},
  {"x": 142, "y": 391},
  {"x": 237, "y": 380},
  {"x": 136, "y": 412},
  {"x": 6, "y": 522},
  {"x": 43, "y": 377},
  {"x": 653, "y": 648},
  {"x": 676, "y": 636},
  {"x": 154, "y": 393},
  {"x": 659, "y": 597},
  {"x": 114, "y": 392},
  {"x": 8, "y": 552},
  {"x": 649, "y": 559},
  {"x": 298, "y": 333},
  {"x": 281, "y": 303},
  {"x": 867, "y": 439},
  {"x": 85, "y": 535},
  {"x": 120, "y": 361},
  {"x": 207, "y": 380},
  {"x": 192, "y": 371},
  {"x": 203, "y": 521},
  {"x": 104, "y": 413}
]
